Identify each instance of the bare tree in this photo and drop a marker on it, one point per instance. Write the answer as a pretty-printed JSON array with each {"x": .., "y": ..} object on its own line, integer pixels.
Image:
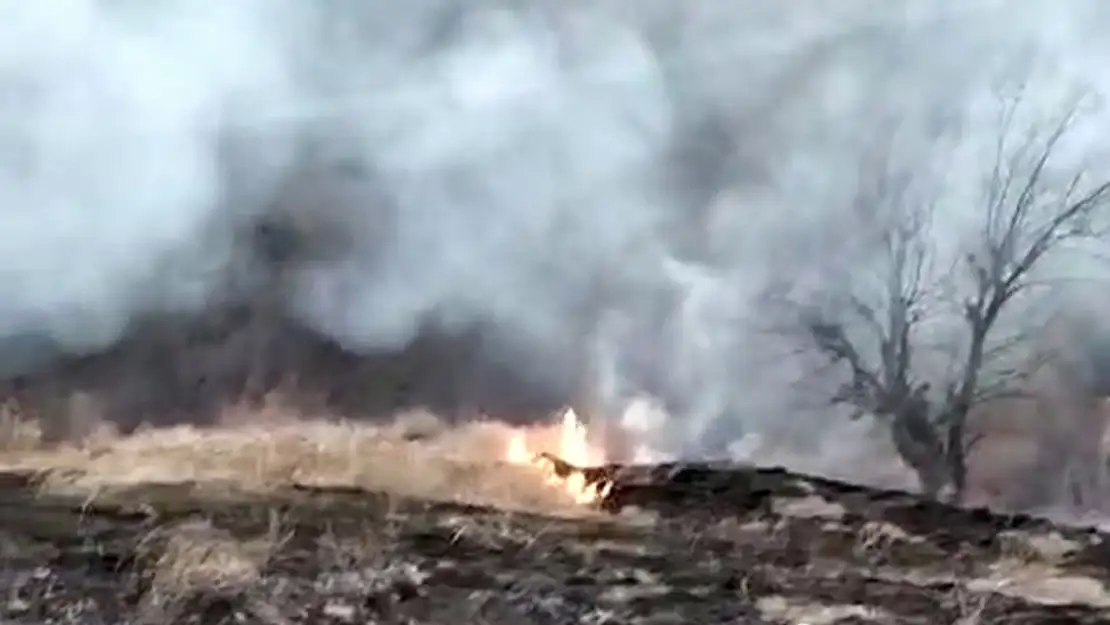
[{"x": 923, "y": 344}]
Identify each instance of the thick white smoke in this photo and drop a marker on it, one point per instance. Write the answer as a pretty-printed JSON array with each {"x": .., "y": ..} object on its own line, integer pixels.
[
  {"x": 523, "y": 161},
  {"x": 534, "y": 151},
  {"x": 109, "y": 114}
]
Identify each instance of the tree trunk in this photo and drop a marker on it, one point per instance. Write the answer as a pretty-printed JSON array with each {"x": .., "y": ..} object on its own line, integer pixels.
[
  {"x": 917, "y": 443},
  {"x": 956, "y": 454}
]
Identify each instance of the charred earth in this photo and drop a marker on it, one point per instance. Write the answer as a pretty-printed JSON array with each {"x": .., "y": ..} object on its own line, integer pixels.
[{"x": 667, "y": 544}]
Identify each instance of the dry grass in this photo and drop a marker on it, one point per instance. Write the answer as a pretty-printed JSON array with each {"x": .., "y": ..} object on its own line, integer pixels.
[
  {"x": 197, "y": 557},
  {"x": 415, "y": 454},
  {"x": 17, "y": 434},
  {"x": 783, "y": 609},
  {"x": 418, "y": 454}
]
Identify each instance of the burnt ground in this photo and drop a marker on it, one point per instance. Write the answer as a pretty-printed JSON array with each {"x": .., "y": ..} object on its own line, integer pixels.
[{"x": 698, "y": 545}]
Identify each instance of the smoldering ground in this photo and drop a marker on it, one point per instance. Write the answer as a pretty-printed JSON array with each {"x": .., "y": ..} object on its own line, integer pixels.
[{"x": 481, "y": 208}]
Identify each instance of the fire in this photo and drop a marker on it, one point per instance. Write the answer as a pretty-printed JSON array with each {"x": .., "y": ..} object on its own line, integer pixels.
[{"x": 573, "y": 447}]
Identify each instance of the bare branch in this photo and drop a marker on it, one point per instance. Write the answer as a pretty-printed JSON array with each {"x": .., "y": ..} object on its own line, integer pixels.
[
  {"x": 867, "y": 314},
  {"x": 971, "y": 442},
  {"x": 899, "y": 326},
  {"x": 1029, "y": 192}
]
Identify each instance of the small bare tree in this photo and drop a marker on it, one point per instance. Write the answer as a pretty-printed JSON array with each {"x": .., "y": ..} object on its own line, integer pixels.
[{"x": 923, "y": 344}]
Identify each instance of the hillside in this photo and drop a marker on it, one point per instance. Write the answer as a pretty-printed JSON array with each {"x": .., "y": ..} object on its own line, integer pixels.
[{"x": 667, "y": 544}]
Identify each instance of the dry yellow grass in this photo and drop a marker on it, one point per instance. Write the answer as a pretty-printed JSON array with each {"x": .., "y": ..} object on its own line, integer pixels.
[
  {"x": 197, "y": 557},
  {"x": 415, "y": 454},
  {"x": 418, "y": 454},
  {"x": 16, "y": 433}
]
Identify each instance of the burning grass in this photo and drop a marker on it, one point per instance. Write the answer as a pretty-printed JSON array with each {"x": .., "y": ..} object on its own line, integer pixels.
[
  {"x": 417, "y": 454},
  {"x": 571, "y": 448},
  {"x": 414, "y": 455}
]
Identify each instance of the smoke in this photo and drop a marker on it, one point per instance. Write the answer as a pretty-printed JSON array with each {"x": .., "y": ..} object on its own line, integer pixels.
[
  {"x": 604, "y": 189},
  {"x": 109, "y": 113},
  {"x": 519, "y": 167}
]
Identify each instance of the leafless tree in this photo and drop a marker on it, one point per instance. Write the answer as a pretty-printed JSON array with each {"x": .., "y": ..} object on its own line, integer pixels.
[{"x": 919, "y": 338}]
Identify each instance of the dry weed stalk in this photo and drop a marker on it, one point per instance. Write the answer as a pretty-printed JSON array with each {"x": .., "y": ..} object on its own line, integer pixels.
[
  {"x": 195, "y": 557},
  {"x": 971, "y": 606},
  {"x": 17, "y": 433}
]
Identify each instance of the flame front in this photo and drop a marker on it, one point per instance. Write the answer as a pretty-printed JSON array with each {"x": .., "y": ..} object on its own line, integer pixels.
[{"x": 573, "y": 448}]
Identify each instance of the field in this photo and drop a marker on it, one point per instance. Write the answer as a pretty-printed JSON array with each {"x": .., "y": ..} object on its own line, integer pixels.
[{"x": 418, "y": 523}]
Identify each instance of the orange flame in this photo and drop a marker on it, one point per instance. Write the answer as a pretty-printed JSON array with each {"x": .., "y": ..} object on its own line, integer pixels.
[{"x": 575, "y": 449}]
